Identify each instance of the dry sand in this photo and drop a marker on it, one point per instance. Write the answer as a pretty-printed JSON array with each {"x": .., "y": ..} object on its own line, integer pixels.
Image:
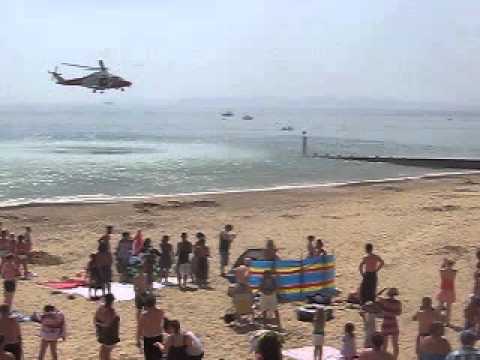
[{"x": 414, "y": 225}]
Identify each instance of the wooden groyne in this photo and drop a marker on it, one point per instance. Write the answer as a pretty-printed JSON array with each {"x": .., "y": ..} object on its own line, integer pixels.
[{"x": 432, "y": 163}]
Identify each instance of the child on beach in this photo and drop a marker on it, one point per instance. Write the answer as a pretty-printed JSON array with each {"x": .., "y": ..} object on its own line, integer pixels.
[
  {"x": 349, "y": 348},
  {"x": 425, "y": 316},
  {"x": 319, "y": 250},
  {"x": 184, "y": 267},
  {"x": 9, "y": 271},
  {"x": 52, "y": 329},
  {"x": 319, "y": 320},
  {"x": 446, "y": 295},
  {"x": 369, "y": 313},
  {"x": 166, "y": 258},
  {"x": 391, "y": 308},
  {"x": 310, "y": 246}
]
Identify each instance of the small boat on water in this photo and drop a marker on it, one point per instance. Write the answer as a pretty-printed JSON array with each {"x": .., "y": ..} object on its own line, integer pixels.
[
  {"x": 247, "y": 117},
  {"x": 227, "y": 114},
  {"x": 287, "y": 128}
]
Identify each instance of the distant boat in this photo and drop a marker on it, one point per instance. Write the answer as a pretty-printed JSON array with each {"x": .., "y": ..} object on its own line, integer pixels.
[
  {"x": 227, "y": 114},
  {"x": 247, "y": 117},
  {"x": 287, "y": 128},
  {"x": 449, "y": 119},
  {"x": 108, "y": 102}
]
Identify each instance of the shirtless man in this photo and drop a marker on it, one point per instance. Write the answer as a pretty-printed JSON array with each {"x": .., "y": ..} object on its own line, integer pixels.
[
  {"x": 9, "y": 270},
  {"x": 377, "y": 352},
  {"x": 10, "y": 330},
  {"x": 4, "y": 243},
  {"x": 369, "y": 268},
  {"x": 426, "y": 316},
  {"x": 150, "y": 327}
]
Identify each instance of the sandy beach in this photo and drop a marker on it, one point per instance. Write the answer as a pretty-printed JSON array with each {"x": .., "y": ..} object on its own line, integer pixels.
[{"x": 413, "y": 225}]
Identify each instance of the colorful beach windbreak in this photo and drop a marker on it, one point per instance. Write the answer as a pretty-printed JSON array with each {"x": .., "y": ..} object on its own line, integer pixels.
[{"x": 297, "y": 278}]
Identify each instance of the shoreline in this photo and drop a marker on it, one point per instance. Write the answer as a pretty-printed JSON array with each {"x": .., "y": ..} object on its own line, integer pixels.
[{"x": 79, "y": 200}]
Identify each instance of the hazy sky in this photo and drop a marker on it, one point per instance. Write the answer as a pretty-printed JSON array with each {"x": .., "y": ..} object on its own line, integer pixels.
[{"x": 427, "y": 50}]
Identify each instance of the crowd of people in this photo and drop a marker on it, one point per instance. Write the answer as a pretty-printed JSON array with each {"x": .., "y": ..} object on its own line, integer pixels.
[{"x": 138, "y": 261}]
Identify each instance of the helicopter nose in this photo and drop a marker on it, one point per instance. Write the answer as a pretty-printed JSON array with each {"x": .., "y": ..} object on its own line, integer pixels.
[{"x": 126, "y": 83}]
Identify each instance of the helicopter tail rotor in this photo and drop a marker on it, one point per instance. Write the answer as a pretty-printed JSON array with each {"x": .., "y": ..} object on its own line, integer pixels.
[{"x": 56, "y": 76}]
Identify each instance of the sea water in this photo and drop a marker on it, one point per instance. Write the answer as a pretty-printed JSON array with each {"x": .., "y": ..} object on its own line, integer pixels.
[{"x": 105, "y": 151}]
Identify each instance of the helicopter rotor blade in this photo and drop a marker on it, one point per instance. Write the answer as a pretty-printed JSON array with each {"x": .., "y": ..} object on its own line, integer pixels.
[
  {"x": 102, "y": 65},
  {"x": 83, "y": 66}
]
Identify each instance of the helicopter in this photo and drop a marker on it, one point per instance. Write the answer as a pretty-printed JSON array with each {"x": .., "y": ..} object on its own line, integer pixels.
[{"x": 100, "y": 80}]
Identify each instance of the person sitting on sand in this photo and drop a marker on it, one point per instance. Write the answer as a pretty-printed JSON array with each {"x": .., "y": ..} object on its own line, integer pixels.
[
  {"x": 426, "y": 316},
  {"x": 202, "y": 253},
  {"x": 107, "y": 324},
  {"x": 319, "y": 250},
  {"x": 9, "y": 271},
  {"x": 310, "y": 246},
  {"x": 23, "y": 253},
  {"x": 391, "y": 308},
  {"x": 150, "y": 328},
  {"x": 177, "y": 342},
  {"x": 195, "y": 350},
  {"x": 10, "y": 330},
  {"x": 349, "y": 347},
  {"x": 3, "y": 354},
  {"x": 369, "y": 267},
  {"x": 434, "y": 346},
  {"x": 184, "y": 268},
  {"x": 446, "y": 295},
  {"x": 377, "y": 352},
  {"x": 268, "y": 296},
  {"x": 166, "y": 258},
  {"x": 225, "y": 240},
  {"x": 319, "y": 321},
  {"x": 52, "y": 329},
  {"x": 122, "y": 255}
]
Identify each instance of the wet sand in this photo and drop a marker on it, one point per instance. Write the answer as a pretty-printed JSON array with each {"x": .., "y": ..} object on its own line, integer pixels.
[{"x": 413, "y": 225}]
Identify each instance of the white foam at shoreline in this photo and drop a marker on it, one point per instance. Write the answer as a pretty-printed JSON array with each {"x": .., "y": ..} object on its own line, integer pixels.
[{"x": 107, "y": 199}]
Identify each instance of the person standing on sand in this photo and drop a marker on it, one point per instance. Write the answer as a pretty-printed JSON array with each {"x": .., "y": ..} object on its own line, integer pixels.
[
  {"x": 268, "y": 297},
  {"x": 184, "y": 268},
  {"x": 150, "y": 328},
  {"x": 104, "y": 261},
  {"x": 226, "y": 238},
  {"x": 369, "y": 267},
  {"x": 12, "y": 244},
  {"x": 23, "y": 252},
  {"x": 377, "y": 352},
  {"x": 122, "y": 255},
  {"x": 28, "y": 236},
  {"x": 10, "y": 330},
  {"x": 4, "y": 243},
  {"x": 446, "y": 295},
  {"x": 107, "y": 324},
  {"x": 166, "y": 258},
  {"x": 105, "y": 238},
  {"x": 310, "y": 246},
  {"x": 202, "y": 253},
  {"x": 426, "y": 316},
  {"x": 391, "y": 308},
  {"x": 319, "y": 320},
  {"x": 52, "y": 329},
  {"x": 9, "y": 271},
  {"x": 434, "y": 346}
]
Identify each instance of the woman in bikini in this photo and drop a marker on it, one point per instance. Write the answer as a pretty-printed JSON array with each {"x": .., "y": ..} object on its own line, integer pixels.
[
  {"x": 23, "y": 251},
  {"x": 446, "y": 295},
  {"x": 107, "y": 324}
]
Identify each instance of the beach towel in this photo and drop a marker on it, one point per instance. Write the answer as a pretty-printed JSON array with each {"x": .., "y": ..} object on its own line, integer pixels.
[
  {"x": 306, "y": 353},
  {"x": 64, "y": 284},
  {"x": 122, "y": 292}
]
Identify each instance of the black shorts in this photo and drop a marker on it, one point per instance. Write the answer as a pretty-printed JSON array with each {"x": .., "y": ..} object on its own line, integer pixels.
[{"x": 9, "y": 286}]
